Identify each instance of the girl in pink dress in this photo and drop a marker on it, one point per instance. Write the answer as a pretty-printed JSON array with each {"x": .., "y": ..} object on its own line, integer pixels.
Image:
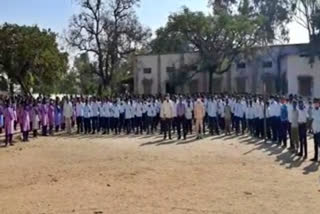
[{"x": 9, "y": 118}]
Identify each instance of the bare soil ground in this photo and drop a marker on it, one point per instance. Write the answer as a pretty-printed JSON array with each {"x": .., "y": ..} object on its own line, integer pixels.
[{"x": 128, "y": 175}]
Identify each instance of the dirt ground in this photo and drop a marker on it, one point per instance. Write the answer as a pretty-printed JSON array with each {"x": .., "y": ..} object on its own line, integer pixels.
[{"x": 128, "y": 175}]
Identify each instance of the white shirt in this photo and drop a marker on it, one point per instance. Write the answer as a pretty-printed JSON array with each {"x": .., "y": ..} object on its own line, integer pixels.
[
  {"x": 95, "y": 109},
  {"x": 67, "y": 109},
  {"x": 139, "y": 109},
  {"x": 150, "y": 110},
  {"x": 212, "y": 108},
  {"x": 87, "y": 111},
  {"x": 316, "y": 121},
  {"x": 238, "y": 110},
  {"x": 79, "y": 109},
  {"x": 290, "y": 108},
  {"x": 166, "y": 110},
  {"x": 128, "y": 111},
  {"x": 115, "y": 111},
  {"x": 303, "y": 114},
  {"x": 188, "y": 111},
  {"x": 275, "y": 109},
  {"x": 174, "y": 108}
]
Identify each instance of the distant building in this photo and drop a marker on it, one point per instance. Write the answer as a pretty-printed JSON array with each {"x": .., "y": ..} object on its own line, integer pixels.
[{"x": 284, "y": 68}]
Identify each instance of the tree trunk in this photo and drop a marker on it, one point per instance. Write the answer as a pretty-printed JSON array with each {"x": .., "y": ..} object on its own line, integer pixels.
[{"x": 211, "y": 71}]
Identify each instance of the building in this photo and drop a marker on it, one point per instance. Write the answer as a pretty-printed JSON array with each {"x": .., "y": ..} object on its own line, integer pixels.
[{"x": 279, "y": 69}]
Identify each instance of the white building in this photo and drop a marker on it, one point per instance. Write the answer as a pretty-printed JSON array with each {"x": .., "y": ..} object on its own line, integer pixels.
[{"x": 284, "y": 69}]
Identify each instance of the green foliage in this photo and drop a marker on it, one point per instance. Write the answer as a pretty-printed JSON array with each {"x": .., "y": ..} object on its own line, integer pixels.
[{"x": 30, "y": 57}]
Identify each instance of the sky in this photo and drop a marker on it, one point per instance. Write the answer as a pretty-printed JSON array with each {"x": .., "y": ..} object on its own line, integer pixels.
[{"x": 55, "y": 14}]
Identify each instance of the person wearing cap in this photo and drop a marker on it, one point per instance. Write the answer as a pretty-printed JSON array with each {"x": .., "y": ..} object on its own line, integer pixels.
[{"x": 166, "y": 116}]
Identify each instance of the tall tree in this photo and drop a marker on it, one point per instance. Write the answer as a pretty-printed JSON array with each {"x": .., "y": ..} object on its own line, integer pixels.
[
  {"x": 30, "y": 56},
  {"x": 109, "y": 31}
]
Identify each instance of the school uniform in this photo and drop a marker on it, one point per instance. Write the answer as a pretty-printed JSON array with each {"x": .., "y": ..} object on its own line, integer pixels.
[
  {"x": 79, "y": 116},
  {"x": 116, "y": 119},
  {"x": 316, "y": 132},
  {"x": 127, "y": 117},
  {"x": 9, "y": 119},
  {"x": 302, "y": 120},
  {"x": 58, "y": 117},
  {"x": 121, "y": 106},
  {"x": 211, "y": 110},
  {"x": 284, "y": 125},
  {"x": 166, "y": 114},
  {"x": 1, "y": 119},
  {"x": 174, "y": 115},
  {"x": 181, "y": 120},
  {"x": 138, "y": 117},
  {"x": 35, "y": 118},
  {"x": 261, "y": 119},
  {"x": 188, "y": 116},
  {"x": 67, "y": 113},
  {"x": 44, "y": 118},
  {"x": 275, "y": 120},
  {"x": 25, "y": 122},
  {"x": 105, "y": 115},
  {"x": 221, "y": 105},
  {"x": 51, "y": 117},
  {"x": 87, "y": 112},
  {"x": 250, "y": 118},
  {"x": 238, "y": 113},
  {"x": 95, "y": 117}
]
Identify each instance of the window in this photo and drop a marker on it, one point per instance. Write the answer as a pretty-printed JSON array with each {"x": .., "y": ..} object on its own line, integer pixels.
[
  {"x": 267, "y": 64},
  {"x": 241, "y": 65},
  {"x": 170, "y": 69},
  {"x": 147, "y": 70}
]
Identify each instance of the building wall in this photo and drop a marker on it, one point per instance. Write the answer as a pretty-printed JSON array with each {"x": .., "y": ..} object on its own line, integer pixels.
[
  {"x": 299, "y": 67},
  {"x": 277, "y": 67}
]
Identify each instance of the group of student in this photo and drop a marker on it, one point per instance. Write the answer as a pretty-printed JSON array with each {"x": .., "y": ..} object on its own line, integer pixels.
[{"x": 278, "y": 119}]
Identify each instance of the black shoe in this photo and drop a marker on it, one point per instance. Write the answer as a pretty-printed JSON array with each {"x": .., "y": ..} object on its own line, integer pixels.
[{"x": 299, "y": 154}]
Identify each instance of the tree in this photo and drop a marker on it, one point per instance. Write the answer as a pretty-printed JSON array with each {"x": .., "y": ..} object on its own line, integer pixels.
[
  {"x": 87, "y": 79},
  {"x": 307, "y": 14},
  {"x": 167, "y": 41},
  {"x": 109, "y": 31},
  {"x": 30, "y": 57},
  {"x": 233, "y": 28}
]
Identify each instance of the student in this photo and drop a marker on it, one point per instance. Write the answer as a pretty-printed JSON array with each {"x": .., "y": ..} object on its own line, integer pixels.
[
  {"x": 181, "y": 119},
  {"x": 227, "y": 118},
  {"x": 138, "y": 117},
  {"x": 79, "y": 115},
  {"x": 51, "y": 116},
  {"x": 294, "y": 128},
  {"x": 35, "y": 118},
  {"x": 1, "y": 119},
  {"x": 95, "y": 115},
  {"x": 199, "y": 113},
  {"x": 9, "y": 118},
  {"x": 44, "y": 117},
  {"x": 58, "y": 114},
  {"x": 302, "y": 119},
  {"x": 284, "y": 124},
  {"x": 67, "y": 113},
  {"x": 116, "y": 118},
  {"x": 211, "y": 110},
  {"x": 87, "y": 117},
  {"x": 25, "y": 120},
  {"x": 316, "y": 130},
  {"x": 188, "y": 115},
  {"x": 128, "y": 116},
  {"x": 150, "y": 117},
  {"x": 166, "y": 116}
]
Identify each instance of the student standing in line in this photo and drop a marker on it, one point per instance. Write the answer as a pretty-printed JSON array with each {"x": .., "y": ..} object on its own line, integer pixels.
[
  {"x": 166, "y": 116},
  {"x": 199, "y": 114},
  {"x": 86, "y": 117},
  {"x": 227, "y": 118},
  {"x": 302, "y": 119},
  {"x": 79, "y": 115},
  {"x": 284, "y": 124},
  {"x": 294, "y": 128},
  {"x": 188, "y": 115},
  {"x": 181, "y": 124},
  {"x": 316, "y": 130},
  {"x": 25, "y": 120},
  {"x": 9, "y": 118}
]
